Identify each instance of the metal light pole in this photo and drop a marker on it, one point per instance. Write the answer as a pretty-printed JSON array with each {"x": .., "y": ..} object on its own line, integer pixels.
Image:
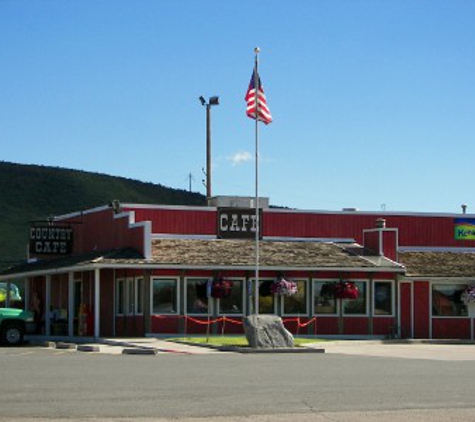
[{"x": 211, "y": 102}]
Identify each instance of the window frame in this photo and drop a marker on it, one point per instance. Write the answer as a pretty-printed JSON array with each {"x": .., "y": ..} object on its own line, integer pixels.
[
  {"x": 465, "y": 284},
  {"x": 367, "y": 301},
  {"x": 393, "y": 299},
  {"x": 242, "y": 280},
  {"x": 337, "y": 304},
  {"x": 306, "y": 299},
  {"x": 165, "y": 278},
  {"x": 185, "y": 301}
]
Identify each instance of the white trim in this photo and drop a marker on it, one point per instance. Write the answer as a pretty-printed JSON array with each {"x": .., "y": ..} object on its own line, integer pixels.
[
  {"x": 169, "y": 207},
  {"x": 157, "y": 236},
  {"x": 310, "y": 239},
  {"x": 177, "y": 298},
  {"x": 435, "y": 249},
  {"x": 97, "y": 303},
  {"x": 371, "y": 213},
  {"x": 81, "y": 213}
]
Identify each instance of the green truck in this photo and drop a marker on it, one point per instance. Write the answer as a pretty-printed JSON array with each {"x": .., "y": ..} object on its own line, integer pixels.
[{"x": 14, "y": 323}]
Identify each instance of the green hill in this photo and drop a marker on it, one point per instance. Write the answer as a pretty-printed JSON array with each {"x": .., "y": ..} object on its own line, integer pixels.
[{"x": 32, "y": 192}]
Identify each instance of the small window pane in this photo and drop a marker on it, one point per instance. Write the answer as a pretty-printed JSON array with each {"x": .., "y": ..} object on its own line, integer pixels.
[
  {"x": 120, "y": 297},
  {"x": 139, "y": 299},
  {"x": 266, "y": 298},
  {"x": 130, "y": 296},
  {"x": 165, "y": 296},
  {"x": 446, "y": 300},
  {"x": 324, "y": 301},
  {"x": 196, "y": 297},
  {"x": 356, "y": 306},
  {"x": 383, "y": 298},
  {"x": 297, "y": 303},
  {"x": 233, "y": 304}
]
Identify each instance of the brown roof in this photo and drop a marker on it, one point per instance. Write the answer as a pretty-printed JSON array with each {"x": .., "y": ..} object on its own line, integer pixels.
[
  {"x": 272, "y": 254},
  {"x": 438, "y": 264}
]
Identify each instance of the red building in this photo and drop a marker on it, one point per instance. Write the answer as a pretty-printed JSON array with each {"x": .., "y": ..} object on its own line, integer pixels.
[{"x": 127, "y": 269}]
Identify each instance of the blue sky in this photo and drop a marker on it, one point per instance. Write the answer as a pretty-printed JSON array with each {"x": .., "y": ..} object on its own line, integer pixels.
[{"x": 373, "y": 101}]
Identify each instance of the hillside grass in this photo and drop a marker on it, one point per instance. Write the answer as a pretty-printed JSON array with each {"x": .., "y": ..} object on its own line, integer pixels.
[{"x": 31, "y": 193}]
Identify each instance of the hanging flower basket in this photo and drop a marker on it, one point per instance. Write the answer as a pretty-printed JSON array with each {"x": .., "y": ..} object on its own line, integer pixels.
[
  {"x": 468, "y": 296},
  {"x": 284, "y": 287},
  {"x": 346, "y": 290},
  {"x": 221, "y": 288}
]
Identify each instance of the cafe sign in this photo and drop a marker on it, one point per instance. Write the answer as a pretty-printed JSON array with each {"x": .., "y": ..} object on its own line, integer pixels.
[
  {"x": 238, "y": 223},
  {"x": 464, "y": 229},
  {"x": 51, "y": 240}
]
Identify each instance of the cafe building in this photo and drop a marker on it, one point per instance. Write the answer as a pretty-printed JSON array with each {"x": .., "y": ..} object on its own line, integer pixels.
[{"x": 150, "y": 270}]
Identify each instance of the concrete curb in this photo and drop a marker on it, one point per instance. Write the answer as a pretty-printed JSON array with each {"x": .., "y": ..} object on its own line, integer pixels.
[
  {"x": 87, "y": 348},
  {"x": 249, "y": 350},
  {"x": 139, "y": 351},
  {"x": 65, "y": 346}
]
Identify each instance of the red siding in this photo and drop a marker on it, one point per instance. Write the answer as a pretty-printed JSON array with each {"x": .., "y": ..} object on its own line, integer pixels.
[
  {"x": 453, "y": 328},
  {"x": 101, "y": 231},
  {"x": 179, "y": 221},
  {"x": 414, "y": 230},
  {"x": 406, "y": 310},
  {"x": 355, "y": 326},
  {"x": 383, "y": 326},
  {"x": 421, "y": 309}
]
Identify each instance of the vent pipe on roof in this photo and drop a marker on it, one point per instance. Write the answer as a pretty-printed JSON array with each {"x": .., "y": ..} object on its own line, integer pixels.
[{"x": 464, "y": 208}]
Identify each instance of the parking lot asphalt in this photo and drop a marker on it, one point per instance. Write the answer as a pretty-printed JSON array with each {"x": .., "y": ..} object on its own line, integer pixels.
[{"x": 404, "y": 349}]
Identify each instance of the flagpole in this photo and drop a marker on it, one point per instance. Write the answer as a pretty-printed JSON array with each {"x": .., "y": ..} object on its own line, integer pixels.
[{"x": 256, "y": 102}]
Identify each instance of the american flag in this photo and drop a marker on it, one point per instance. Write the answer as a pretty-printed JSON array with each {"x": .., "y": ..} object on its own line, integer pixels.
[{"x": 263, "y": 112}]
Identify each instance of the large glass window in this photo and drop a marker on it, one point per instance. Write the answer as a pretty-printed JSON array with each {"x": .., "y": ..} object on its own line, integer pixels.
[
  {"x": 196, "y": 296},
  {"x": 297, "y": 303},
  {"x": 233, "y": 304},
  {"x": 324, "y": 300},
  {"x": 357, "y": 306},
  {"x": 383, "y": 298},
  {"x": 165, "y": 296},
  {"x": 266, "y": 297},
  {"x": 446, "y": 300}
]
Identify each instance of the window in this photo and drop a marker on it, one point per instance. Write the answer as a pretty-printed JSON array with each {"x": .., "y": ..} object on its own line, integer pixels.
[
  {"x": 165, "y": 296},
  {"x": 234, "y": 303},
  {"x": 297, "y": 303},
  {"x": 356, "y": 306},
  {"x": 120, "y": 297},
  {"x": 129, "y": 296},
  {"x": 196, "y": 296},
  {"x": 324, "y": 301},
  {"x": 446, "y": 300},
  {"x": 383, "y": 298}
]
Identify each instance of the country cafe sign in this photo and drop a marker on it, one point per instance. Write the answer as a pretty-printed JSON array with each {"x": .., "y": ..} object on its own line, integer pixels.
[
  {"x": 238, "y": 223},
  {"x": 464, "y": 229},
  {"x": 48, "y": 239}
]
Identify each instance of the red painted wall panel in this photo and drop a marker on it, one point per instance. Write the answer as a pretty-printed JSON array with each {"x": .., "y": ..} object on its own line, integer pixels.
[
  {"x": 355, "y": 326},
  {"x": 421, "y": 309},
  {"x": 383, "y": 326},
  {"x": 101, "y": 231},
  {"x": 406, "y": 310},
  {"x": 414, "y": 230},
  {"x": 456, "y": 328}
]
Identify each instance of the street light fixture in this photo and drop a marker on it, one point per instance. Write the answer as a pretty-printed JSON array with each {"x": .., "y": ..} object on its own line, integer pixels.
[{"x": 213, "y": 101}]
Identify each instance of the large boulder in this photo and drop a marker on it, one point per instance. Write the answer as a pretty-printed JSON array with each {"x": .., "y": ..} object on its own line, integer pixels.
[{"x": 267, "y": 332}]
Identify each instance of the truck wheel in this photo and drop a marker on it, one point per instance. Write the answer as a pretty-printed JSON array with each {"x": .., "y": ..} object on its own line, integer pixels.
[{"x": 12, "y": 334}]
